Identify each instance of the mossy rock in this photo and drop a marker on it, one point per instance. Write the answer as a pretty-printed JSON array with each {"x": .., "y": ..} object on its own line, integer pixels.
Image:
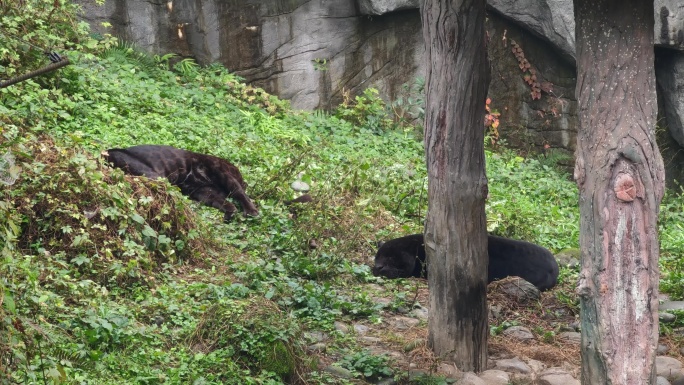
[
  {"x": 569, "y": 257},
  {"x": 281, "y": 361},
  {"x": 262, "y": 337}
]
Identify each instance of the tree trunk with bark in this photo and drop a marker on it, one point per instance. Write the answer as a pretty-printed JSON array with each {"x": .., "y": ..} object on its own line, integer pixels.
[
  {"x": 455, "y": 230},
  {"x": 620, "y": 176}
]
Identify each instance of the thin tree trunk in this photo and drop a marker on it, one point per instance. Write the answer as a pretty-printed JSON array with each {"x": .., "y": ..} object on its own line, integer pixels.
[
  {"x": 620, "y": 176},
  {"x": 455, "y": 230}
]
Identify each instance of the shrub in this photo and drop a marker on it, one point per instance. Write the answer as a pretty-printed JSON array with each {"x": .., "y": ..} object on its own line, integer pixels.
[{"x": 256, "y": 334}]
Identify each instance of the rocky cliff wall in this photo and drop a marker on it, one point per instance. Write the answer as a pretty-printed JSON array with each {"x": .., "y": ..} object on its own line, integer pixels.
[
  {"x": 312, "y": 52},
  {"x": 308, "y": 52}
]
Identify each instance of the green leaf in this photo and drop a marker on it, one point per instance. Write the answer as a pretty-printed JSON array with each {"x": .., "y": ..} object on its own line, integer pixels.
[
  {"x": 91, "y": 43},
  {"x": 8, "y": 302},
  {"x": 270, "y": 293},
  {"x": 80, "y": 260},
  {"x": 14, "y": 171},
  {"x": 137, "y": 218},
  {"x": 106, "y": 325},
  {"x": 54, "y": 374},
  {"x": 80, "y": 239},
  {"x": 163, "y": 239},
  {"x": 149, "y": 232}
]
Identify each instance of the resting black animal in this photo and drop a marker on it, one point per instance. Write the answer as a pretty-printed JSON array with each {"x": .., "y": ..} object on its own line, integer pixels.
[
  {"x": 204, "y": 178},
  {"x": 405, "y": 257}
]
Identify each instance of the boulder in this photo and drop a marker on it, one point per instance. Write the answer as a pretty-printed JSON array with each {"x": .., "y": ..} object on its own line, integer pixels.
[
  {"x": 556, "y": 376},
  {"x": 513, "y": 365}
]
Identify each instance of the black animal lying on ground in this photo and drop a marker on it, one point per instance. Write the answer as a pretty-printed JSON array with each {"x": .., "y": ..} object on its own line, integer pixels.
[
  {"x": 204, "y": 178},
  {"x": 405, "y": 257}
]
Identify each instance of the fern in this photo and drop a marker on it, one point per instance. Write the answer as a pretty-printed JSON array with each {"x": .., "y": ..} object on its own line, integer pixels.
[{"x": 124, "y": 52}]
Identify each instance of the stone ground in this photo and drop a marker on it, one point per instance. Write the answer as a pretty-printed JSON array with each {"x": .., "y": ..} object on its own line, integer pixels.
[{"x": 535, "y": 341}]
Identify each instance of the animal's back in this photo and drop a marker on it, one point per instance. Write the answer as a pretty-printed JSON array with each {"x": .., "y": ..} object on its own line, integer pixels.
[
  {"x": 155, "y": 161},
  {"x": 148, "y": 160},
  {"x": 510, "y": 257}
]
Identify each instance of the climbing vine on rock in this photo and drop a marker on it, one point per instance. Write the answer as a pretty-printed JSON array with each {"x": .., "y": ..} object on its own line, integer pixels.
[{"x": 529, "y": 73}]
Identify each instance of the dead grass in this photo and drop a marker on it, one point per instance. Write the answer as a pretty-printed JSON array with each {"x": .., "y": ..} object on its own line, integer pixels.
[{"x": 548, "y": 314}]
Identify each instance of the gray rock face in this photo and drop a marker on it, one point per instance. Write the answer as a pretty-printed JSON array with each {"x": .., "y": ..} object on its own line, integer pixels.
[
  {"x": 379, "y": 7},
  {"x": 449, "y": 370},
  {"x": 670, "y": 78},
  {"x": 552, "y": 20},
  {"x": 308, "y": 52},
  {"x": 338, "y": 371},
  {"x": 471, "y": 378},
  {"x": 662, "y": 349},
  {"x": 669, "y": 23},
  {"x": 420, "y": 313},
  {"x": 665, "y": 365},
  {"x": 404, "y": 323},
  {"x": 341, "y": 327},
  {"x": 361, "y": 329},
  {"x": 526, "y": 121}
]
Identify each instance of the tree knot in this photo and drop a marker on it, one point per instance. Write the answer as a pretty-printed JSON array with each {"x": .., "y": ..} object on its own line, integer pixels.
[{"x": 625, "y": 188}]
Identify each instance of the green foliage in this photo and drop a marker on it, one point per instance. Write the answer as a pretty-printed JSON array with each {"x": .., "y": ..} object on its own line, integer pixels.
[
  {"x": 30, "y": 27},
  {"x": 258, "y": 335},
  {"x": 409, "y": 106},
  {"x": 367, "y": 365},
  {"x": 73, "y": 230},
  {"x": 112, "y": 279},
  {"x": 672, "y": 244},
  {"x": 531, "y": 201},
  {"x": 498, "y": 329},
  {"x": 151, "y": 225},
  {"x": 320, "y": 64},
  {"x": 367, "y": 111},
  {"x": 676, "y": 325},
  {"x": 319, "y": 303},
  {"x": 125, "y": 53}
]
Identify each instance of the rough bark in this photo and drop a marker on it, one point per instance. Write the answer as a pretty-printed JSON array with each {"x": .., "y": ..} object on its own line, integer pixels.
[
  {"x": 620, "y": 176},
  {"x": 455, "y": 231}
]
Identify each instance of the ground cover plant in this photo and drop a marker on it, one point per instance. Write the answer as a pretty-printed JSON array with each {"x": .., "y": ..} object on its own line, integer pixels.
[{"x": 107, "y": 278}]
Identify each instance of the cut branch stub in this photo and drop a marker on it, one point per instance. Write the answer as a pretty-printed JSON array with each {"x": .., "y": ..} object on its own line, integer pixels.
[{"x": 625, "y": 189}]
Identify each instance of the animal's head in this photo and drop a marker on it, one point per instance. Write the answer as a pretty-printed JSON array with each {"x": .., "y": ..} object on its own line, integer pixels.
[
  {"x": 400, "y": 258},
  {"x": 388, "y": 267}
]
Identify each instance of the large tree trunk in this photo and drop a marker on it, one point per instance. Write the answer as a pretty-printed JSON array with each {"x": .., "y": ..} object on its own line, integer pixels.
[
  {"x": 455, "y": 229},
  {"x": 620, "y": 176}
]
